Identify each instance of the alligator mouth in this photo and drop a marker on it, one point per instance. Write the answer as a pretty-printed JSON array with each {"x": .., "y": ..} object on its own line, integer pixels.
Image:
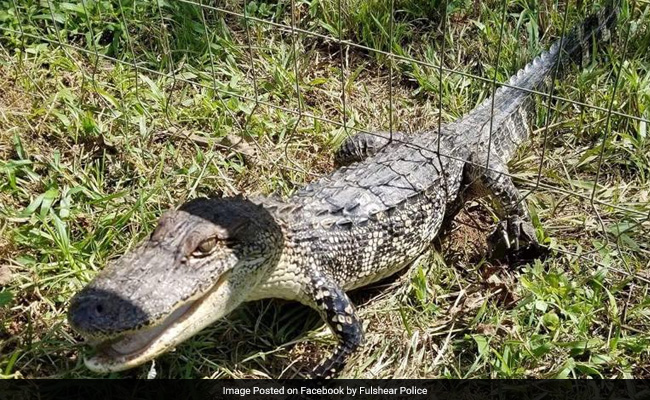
[
  {"x": 135, "y": 348},
  {"x": 130, "y": 344}
]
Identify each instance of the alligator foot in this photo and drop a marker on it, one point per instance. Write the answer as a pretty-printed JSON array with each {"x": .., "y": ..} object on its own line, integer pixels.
[
  {"x": 515, "y": 237},
  {"x": 338, "y": 312},
  {"x": 515, "y": 234}
]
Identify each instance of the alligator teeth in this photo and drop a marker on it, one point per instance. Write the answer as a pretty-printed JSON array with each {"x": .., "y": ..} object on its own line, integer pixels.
[{"x": 131, "y": 343}]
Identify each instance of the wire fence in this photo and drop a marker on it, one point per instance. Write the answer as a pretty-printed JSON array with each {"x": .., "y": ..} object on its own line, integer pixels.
[{"x": 92, "y": 39}]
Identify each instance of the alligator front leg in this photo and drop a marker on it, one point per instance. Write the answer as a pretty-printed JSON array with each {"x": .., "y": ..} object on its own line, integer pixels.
[
  {"x": 362, "y": 145},
  {"x": 515, "y": 228},
  {"x": 337, "y": 310}
]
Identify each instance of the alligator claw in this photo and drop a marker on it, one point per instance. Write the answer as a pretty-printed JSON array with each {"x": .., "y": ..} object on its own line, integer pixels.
[{"x": 511, "y": 236}]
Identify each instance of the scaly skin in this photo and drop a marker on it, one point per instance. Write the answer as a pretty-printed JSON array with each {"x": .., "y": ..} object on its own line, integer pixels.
[{"x": 362, "y": 223}]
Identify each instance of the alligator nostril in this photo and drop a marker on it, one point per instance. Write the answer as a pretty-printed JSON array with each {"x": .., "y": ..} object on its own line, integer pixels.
[{"x": 96, "y": 312}]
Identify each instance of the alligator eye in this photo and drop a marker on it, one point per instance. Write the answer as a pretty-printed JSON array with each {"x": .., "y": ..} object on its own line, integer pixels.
[{"x": 207, "y": 246}]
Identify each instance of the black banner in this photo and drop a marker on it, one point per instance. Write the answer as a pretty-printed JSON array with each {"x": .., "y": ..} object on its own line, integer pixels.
[{"x": 334, "y": 389}]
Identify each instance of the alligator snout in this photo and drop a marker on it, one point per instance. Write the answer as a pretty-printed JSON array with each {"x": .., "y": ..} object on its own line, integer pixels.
[{"x": 97, "y": 312}]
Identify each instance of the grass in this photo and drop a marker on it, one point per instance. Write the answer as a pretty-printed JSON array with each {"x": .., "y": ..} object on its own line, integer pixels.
[{"x": 92, "y": 151}]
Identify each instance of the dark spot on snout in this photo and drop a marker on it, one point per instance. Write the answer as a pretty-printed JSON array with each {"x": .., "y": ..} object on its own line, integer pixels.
[{"x": 99, "y": 312}]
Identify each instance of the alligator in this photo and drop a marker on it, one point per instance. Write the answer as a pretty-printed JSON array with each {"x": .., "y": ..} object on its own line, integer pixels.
[{"x": 373, "y": 216}]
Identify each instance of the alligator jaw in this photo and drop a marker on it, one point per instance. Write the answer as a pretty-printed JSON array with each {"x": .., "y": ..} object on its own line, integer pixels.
[{"x": 136, "y": 348}]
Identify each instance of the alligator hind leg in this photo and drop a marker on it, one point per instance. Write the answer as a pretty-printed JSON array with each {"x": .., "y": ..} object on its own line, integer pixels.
[
  {"x": 515, "y": 229},
  {"x": 362, "y": 145},
  {"x": 337, "y": 310}
]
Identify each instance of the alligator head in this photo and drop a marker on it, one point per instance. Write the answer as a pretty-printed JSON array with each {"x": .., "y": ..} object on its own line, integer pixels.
[{"x": 198, "y": 265}]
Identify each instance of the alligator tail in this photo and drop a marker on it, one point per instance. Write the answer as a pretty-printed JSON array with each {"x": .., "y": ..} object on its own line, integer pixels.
[
  {"x": 512, "y": 102},
  {"x": 573, "y": 47}
]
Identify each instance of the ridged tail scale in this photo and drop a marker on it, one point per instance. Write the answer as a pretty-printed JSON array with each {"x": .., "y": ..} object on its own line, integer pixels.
[{"x": 511, "y": 104}]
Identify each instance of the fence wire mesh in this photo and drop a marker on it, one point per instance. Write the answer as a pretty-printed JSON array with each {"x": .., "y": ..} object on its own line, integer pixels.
[{"x": 247, "y": 54}]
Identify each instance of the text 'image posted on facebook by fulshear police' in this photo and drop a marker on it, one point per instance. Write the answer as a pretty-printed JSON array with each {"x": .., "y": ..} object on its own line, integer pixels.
[{"x": 339, "y": 390}]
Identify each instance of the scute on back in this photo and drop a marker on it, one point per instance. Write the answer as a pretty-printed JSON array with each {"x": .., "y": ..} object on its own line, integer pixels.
[{"x": 378, "y": 183}]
